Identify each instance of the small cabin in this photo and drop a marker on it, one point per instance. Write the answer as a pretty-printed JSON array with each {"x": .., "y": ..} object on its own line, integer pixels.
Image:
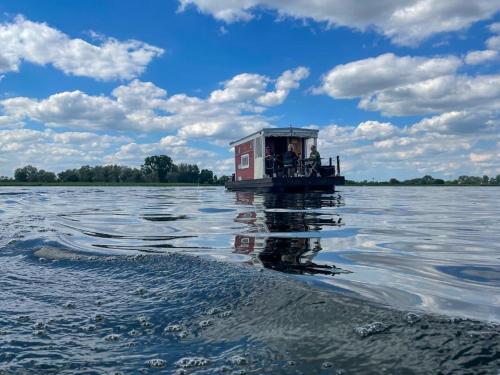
[{"x": 250, "y": 152}]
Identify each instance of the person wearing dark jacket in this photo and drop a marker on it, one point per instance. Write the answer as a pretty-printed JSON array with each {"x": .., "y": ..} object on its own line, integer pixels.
[{"x": 290, "y": 161}]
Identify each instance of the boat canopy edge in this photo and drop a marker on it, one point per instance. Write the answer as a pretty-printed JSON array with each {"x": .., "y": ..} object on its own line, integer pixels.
[{"x": 278, "y": 132}]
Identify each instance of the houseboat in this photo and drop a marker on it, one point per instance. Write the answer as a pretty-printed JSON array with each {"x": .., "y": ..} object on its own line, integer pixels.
[{"x": 263, "y": 163}]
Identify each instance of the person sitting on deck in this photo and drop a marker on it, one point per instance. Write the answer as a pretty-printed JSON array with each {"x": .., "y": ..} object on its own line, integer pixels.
[
  {"x": 314, "y": 161},
  {"x": 290, "y": 161}
]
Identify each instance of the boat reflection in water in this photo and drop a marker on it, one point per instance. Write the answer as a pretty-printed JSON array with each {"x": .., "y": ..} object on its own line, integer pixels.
[{"x": 285, "y": 230}]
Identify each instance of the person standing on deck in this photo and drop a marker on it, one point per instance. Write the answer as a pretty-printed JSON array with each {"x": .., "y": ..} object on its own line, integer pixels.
[
  {"x": 290, "y": 161},
  {"x": 315, "y": 161}
]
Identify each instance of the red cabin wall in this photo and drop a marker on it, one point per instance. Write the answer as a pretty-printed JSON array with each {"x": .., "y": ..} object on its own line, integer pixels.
[{"x": 246, "y": 173}]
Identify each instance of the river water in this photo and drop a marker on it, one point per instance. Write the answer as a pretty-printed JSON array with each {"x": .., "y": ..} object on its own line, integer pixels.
[{"x": 128, "y": 280}]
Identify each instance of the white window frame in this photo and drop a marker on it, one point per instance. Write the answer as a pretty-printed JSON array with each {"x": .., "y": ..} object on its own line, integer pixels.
[{"x": 244, "y": 165}]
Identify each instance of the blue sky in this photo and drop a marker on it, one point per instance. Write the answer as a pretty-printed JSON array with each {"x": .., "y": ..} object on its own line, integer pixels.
[{"x": 397, "y": 88}]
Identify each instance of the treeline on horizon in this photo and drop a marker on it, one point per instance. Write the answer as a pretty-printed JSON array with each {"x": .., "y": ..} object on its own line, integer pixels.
[
  {"x": 156, "y": 169},
  {"x": 429, "y": 180}
]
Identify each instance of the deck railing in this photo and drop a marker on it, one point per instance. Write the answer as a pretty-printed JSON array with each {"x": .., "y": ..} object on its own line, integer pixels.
[{"x": 303, "y": 168}]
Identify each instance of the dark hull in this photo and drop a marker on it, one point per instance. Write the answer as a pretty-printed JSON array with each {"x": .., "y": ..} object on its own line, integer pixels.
[{"x": 287, "y": 184}]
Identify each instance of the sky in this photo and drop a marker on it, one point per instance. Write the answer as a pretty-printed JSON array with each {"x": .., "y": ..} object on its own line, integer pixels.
[{"x": 397, "y": 88}]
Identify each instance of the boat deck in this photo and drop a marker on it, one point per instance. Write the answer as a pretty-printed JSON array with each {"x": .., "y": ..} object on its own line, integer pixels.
[{"x": 287, "y": 184}]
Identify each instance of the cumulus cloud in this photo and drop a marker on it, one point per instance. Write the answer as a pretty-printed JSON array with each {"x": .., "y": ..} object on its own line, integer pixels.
[
  {"x": 405, "y": 22},
  {"x": 134, "y": 153},
  {"x": 459, "y": 134},
  {"x": 38, "y": 43},
  {"x": 458, "y": 122},
  {"x": 374, "y": 130},
  {"x": 493, "y": 43},
  {"x": 408, "y": 85},
  {"x": 240, "y": 88},
  {"x": 480, "y": 158},
  {"x": 54, "y": 151},
  {"x": 289, "y": 80},
  {"x": 437, "y": 95},
  {"x": 480, "y": 57},
  {"x": 430, "y": 146},
  {"x": 75, "y": 109},
  {"x": 244, "y": 87},
  {"x": 387, "y": 71},
  {"x": 232, "y": 111},
  {"x": 488, "y": 55}
]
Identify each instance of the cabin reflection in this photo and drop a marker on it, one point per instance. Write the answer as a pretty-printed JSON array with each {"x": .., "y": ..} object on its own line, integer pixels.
[{"x": 279, "y": 226}]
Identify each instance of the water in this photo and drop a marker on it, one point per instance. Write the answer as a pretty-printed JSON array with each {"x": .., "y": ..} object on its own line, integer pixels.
[{"x": 365, "y": 280}]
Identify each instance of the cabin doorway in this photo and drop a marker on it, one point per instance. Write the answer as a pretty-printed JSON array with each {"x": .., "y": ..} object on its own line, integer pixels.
[
  {"x": 279, "y": 145},
  {"x": 276, "y": 145}
]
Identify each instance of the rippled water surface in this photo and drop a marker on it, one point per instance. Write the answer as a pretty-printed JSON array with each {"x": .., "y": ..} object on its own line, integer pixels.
[{"x": 365, "y": 280}]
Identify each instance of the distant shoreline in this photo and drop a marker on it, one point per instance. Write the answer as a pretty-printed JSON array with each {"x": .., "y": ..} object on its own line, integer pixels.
[
  {"x": 180, "y": 184},
  {"x": 420, "y": 185}
]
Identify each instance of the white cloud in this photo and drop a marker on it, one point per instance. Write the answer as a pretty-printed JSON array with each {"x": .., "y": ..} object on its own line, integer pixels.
[
  {"x": 374, "y": 130},
  {"x": 494, "y": 43},
  {"x": 431, "y": 146},
  {"x": 364, "y": 77},
  {"x": 405, "y": 22},
  {"x": 289, "y": 80},
  {"x": 488, "y": 55},
  {"x": 480, "y": 158},
  {"x": 245, "y": 87},
  {"x": 480, "y": 57},
  {"x": 495, "y": 27},
  {"x": 436, "y": 95},
  {"x": 458, "y": 122},
  {"x": 240, "y": 88},
  {"x": 141, "y": 106},
  {"x": 407, "y": 85},
  {"x": 54, "y": 151},
  {"x": 134, "y": 153},
  {"x": 38, "y": 43},
  {"x": 75, "y": 109}
]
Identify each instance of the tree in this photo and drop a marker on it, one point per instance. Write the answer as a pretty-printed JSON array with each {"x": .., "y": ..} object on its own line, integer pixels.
[
  {"x": 222, "y": 180},
  {"x": 394, "y": 181},
  {"x": 69, "y": 175},
  {"x": 130, "y": 175},
  {"x": 26, "y": 174},
  {"x": 427, "y": 180},
  {"x": 159, "y": 166},
  {"x": 86, "y": 174},
  {"x": 206, "y": 177},
  {"x": 189, "y": 173},
  {"x": 44, "y": 176}
]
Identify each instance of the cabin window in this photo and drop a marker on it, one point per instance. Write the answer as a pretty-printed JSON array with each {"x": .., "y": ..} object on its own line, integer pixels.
[{"x": 244, "y": 161}]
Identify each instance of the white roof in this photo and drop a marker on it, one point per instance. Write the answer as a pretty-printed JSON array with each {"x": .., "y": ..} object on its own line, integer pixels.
[{"x": 278, "y": 132}]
